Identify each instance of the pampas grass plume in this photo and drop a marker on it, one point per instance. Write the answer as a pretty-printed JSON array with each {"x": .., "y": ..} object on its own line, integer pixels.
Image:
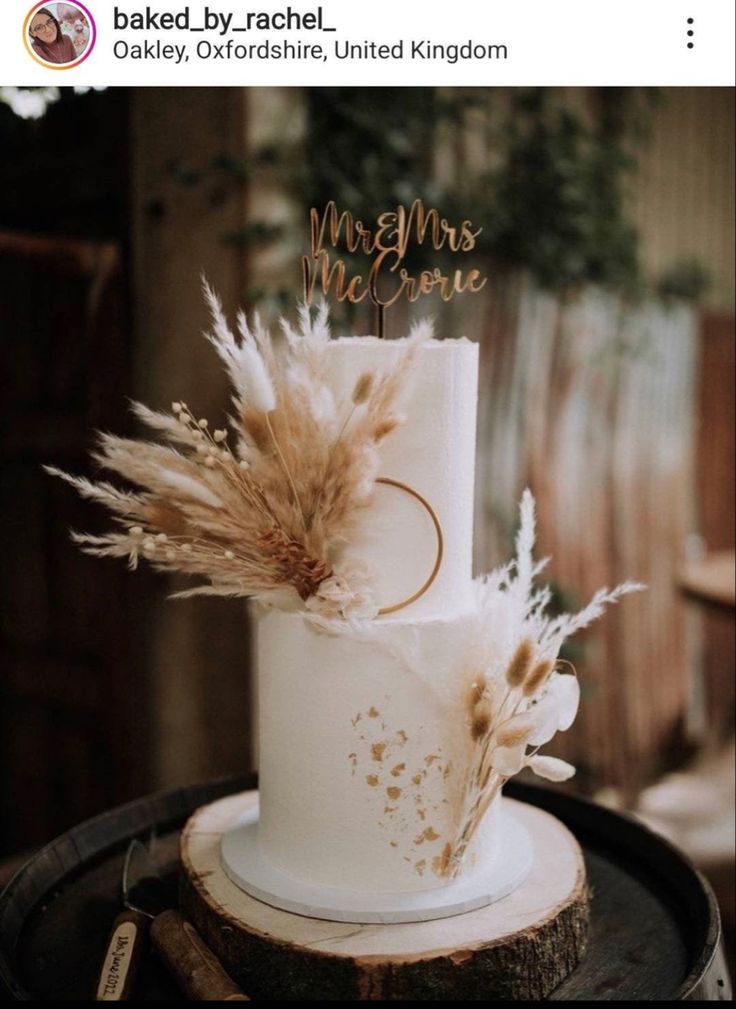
[
  {"x": 259, "y": 392},
  {"x": 273, "y": 515}
]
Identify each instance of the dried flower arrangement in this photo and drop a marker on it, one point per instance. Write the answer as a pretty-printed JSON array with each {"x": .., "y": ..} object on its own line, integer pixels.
[
  {"x": 268, "y": 518},
  {"x": 271, "y": 518},
  {"x": 509, "y": 692},
  {"x": 517, "y": 692}
]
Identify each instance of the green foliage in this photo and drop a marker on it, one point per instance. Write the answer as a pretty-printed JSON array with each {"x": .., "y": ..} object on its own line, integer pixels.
[
  {"x": 370, "y": 148},
  {"x": 550, "y": 191},
  {"x": 553, "y": 200},
  {"x": 687, "y": 280},
  {"x": 556, "y": 202},
  {"x": 256, "y": 233}
]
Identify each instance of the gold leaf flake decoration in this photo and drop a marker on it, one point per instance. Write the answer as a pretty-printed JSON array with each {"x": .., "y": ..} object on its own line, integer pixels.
[{"x": 428, "y": 834}]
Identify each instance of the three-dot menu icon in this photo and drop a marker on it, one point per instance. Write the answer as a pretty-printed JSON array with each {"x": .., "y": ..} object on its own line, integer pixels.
[{"x": 690, "y": 33}]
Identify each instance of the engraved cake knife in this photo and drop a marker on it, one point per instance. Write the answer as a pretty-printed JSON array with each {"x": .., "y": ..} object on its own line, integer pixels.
[{"x": 147, "y": 910}]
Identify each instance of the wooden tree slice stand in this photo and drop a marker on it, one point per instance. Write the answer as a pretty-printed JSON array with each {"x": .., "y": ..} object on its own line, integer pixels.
[{"x": 520, "y": 947}]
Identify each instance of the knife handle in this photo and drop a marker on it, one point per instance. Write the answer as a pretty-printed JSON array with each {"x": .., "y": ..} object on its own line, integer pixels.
[
  {"x": 195, "y": 967},
  {"x": 122, "y": 957}
]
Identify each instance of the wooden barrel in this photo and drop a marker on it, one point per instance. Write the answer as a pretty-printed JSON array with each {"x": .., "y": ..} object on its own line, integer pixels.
[{"x": 655, "y": 929}]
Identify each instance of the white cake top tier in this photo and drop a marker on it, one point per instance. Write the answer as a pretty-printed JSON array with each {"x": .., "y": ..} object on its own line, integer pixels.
[{"x": 433, "y": 452}]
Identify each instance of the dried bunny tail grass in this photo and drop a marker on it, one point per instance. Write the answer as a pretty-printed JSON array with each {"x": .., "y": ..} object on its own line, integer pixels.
[
  {"x": 384, "y": 428},
  {"x": 362, "y": 388},
  {"x": 477, "y": 691},
  {"x": 520, "y": 664},
  {"x": 537, "y": 677},
  {"x": 481, "y": 721}
]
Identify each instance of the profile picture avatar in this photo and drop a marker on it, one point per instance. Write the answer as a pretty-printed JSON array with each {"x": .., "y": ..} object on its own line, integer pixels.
[{"x": 59, "y": 35}]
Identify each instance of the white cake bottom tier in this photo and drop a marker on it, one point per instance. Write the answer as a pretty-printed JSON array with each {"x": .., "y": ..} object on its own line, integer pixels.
[{"x": 364, "y": 752}]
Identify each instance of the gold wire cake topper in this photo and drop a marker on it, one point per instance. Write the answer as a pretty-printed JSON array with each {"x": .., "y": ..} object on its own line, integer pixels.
[
  {"x": 389, "y": 482},
  {"x": 387, "y": 242}
]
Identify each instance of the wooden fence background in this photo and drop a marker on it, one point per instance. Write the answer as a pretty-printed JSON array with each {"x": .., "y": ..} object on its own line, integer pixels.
[{"x": 591, "y": 404}]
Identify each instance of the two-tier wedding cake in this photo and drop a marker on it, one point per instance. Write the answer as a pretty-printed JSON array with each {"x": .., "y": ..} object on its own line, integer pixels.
[
  {"x": 397, "y": 694},
  {"x": 362, "y": 766}
]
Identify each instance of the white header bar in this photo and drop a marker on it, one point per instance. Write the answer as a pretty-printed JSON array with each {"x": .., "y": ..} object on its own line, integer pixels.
[{"x": 381, "y": 42}]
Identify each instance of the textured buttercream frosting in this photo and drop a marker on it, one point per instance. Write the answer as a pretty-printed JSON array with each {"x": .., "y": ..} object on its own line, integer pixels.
[
  {"x": 364, "y": 742},
  {"x": 364, "y": 751},
  {"x": 433, "y": 451}
]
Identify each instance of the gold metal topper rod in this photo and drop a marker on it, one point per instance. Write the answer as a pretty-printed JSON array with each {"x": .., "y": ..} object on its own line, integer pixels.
[{"x": 380, "y": 319}]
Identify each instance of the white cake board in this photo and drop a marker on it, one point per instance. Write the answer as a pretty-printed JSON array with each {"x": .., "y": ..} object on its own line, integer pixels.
[{"x": 244, "y": 864}]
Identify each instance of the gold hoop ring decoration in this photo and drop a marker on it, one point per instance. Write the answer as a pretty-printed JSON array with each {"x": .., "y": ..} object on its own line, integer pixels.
[{"x": 389, "y": 482}]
